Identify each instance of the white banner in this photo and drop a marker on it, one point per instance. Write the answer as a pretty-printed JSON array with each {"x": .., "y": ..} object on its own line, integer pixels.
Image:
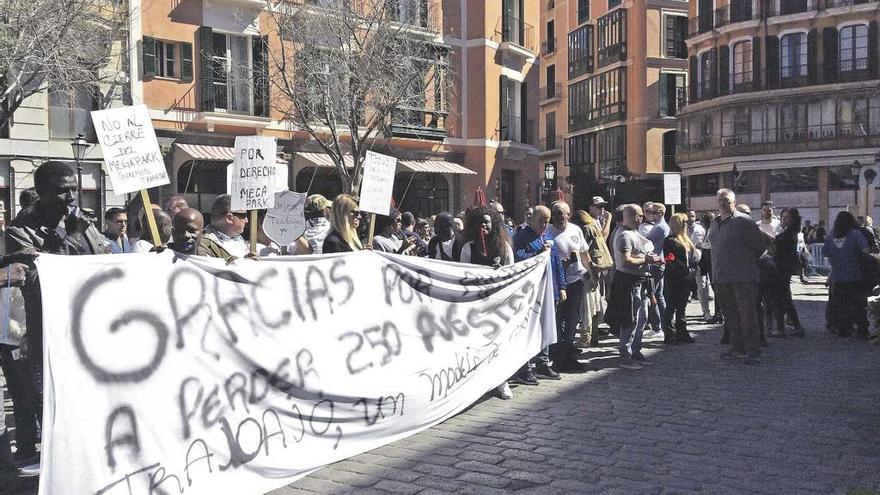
[
  {"x": 191, "y": 376},
  {"x": 131, "y": 151},
  {"x": 254, "y": 168},
  {"x": 378, "y": 184}
]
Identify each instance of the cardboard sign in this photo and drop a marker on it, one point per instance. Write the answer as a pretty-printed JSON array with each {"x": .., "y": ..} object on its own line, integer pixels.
[
  {"x": 253, "y": 173},
  {"x": 378, "y": 184},
  {"x": 672, "y": 188},
  {"x": 131, "y": 151},
  {"x": 286, "y": 222}
]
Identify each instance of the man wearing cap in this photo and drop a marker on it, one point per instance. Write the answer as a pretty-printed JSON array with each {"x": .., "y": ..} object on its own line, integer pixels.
[
  {"x": 317, "y": 226},
  {"x": 769, "y": 223},
  {"x": 226, "y": 227},
  {"x": 599, "y": 212}
]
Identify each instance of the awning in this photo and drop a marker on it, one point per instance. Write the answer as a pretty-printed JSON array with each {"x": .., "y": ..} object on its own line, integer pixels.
[
  {"x": 213, "y": 153},
  {"x": 322, "y": 160},
  {"x": 435, "y": 167}
]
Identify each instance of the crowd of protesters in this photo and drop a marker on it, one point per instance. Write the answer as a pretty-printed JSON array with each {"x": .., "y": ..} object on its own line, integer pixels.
[{"x": 617, "y": 273}]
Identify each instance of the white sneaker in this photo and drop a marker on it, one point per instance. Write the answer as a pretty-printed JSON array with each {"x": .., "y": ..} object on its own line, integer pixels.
[
  {"x": 504, "y": 391},
  {"x": 29, "y": 471}
]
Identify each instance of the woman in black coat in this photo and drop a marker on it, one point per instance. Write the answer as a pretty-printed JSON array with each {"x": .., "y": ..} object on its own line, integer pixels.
[
  {"x": 785, "y": 256},
  {"x": 680, "y": 264}
]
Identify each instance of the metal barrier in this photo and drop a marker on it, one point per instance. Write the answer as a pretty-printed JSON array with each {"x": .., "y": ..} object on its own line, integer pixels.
[{"x": 818, "y": 260}]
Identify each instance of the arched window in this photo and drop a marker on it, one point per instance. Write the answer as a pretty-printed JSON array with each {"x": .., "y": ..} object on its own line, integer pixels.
[
  {"x": 854, "y": 48},
  {"x": 793, "y": 55},
  {"x": 741, "y": 70}
]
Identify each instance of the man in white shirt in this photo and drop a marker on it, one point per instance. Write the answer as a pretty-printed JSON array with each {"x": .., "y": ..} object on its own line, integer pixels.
[
  {"x": 697, "y": 234},
  {"x": 572, "y": 248},
  {"x": 769, "y": 223},
  {"x": 226, "y": 227}
]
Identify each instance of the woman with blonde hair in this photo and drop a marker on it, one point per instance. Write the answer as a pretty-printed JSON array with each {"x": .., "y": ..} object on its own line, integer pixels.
[
  {"x": 680, "y": 265},
  {"x": 345, "y": 217}
]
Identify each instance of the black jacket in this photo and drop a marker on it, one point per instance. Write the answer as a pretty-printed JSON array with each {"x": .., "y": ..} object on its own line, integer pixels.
[
  {"x": 334, "y": 243},
  {"x": 678, "y": 263},
  {"x": 785, "y": 252}
]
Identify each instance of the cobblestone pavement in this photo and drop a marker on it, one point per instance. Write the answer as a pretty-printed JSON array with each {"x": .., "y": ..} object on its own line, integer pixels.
[{"x": 806, "y": 420}]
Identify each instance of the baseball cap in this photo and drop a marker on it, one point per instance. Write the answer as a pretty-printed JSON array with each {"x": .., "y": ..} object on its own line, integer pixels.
[
  {"x": 316, "y": 203},
  {"x": 598, "y": 200}
]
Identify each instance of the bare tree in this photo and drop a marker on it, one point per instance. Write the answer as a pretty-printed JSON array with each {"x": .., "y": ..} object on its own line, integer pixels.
[
  {"x": 345, "y": 70},
  {"x": 64, "y": 45}
]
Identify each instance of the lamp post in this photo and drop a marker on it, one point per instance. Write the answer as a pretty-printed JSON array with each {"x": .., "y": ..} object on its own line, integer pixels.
[
  {"x": 80, "y": 146},
  {"x": 549, "y": 176},
  {"x": 612, "y": 187},
  {"x": 856, "y": 171}
]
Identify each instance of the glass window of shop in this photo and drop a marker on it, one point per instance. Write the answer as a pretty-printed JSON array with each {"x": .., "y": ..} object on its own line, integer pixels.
[{"x": 794, "y": 179}]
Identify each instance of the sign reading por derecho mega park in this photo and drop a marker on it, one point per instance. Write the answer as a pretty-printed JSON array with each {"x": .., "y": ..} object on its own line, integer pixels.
[{"x": 185, "y": 375}]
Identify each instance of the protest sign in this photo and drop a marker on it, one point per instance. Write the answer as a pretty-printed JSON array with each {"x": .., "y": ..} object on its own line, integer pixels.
[
  {"x": 378, "y": 184},
  {"x": 131, "y": 152},
  {"x": 253, "y": 175},
  {"x": 672, "y": 188},
  {"x": 243, "y": 378},
  {"x": 285, "y": 222}
]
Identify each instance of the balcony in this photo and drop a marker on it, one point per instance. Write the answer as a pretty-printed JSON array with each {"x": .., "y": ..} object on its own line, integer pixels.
[
  {"x": 741, "y": 82},
  {"x": 551, "y": 144},
  {"x": 517, "y": 130},
  {"x": 548, "y": 47},
  {"x": 846, "y": 3},
  {"x": 419, "y": 123},
  {"x": 597, "y": 116},
  {"x": 550, "y": 94},
  {"x": 517, "y": 37},
  {"x": 611, "y": 54},
  {"x": 851, "y": 70},
  {"x": 579, "y": 67},
  {"x": 823, "y": 137}
]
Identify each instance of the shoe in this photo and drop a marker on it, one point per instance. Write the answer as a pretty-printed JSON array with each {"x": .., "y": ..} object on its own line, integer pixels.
[
  {"x": 685, "y": 338},
  {"x": 732, "y": 355},
  {"x": 752, "y": 357},
  {"x": 526, "y": 377},
  {"x": 504, "y": 391},
  {"x": 573, "y": 366},
  {"x": 545, "y": 372},
  {"x": 725, "y": 339},
  {"x": 670, "y": 339},
  {"x": 715, "y": 320},
  {"x": 777, "y": 334},
  {"x": 594, "y": 342},
  {"x": 642, "y": 360},
  {"x": 29, "y": 470},
  {"x": 799, "y": 332},
  {"x": 630, "y": 364}
]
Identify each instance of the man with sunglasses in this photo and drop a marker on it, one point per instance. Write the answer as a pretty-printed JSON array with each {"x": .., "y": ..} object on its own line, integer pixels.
[
  {"x": 117, "y": 231},
  {"x": 227, "y": 226}
]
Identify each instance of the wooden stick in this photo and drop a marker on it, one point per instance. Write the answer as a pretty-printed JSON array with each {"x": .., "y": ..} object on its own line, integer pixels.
[
  {"x": 254, "y": 227},
  {"x": 372, "y": 229},
  {"x": 151, "y": 220}
]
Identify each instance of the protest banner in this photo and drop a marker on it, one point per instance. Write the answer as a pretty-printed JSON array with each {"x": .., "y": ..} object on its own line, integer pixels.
[
  {"x": 377, "y": 187},
  {"x": 132, "y": 156},
  {"x": 243, "y": 378},
  {"x": 253, "y": 177},
  {"x": 672, "y": 189},
  {"x": 286, "y": 222}
]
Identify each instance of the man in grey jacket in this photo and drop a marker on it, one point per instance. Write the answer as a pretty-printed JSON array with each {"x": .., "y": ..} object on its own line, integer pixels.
[{"x": 737, "y": 244}]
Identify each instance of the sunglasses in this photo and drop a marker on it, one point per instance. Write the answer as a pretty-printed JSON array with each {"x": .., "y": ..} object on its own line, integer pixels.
[
  {"x": 239, "y": 215},
  {"x": 355, "y": 213}
]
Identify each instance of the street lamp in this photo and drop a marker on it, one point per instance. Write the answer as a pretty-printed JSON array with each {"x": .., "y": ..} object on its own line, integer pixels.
[
  {"x": 612, "y": 187},
  {"x": 549, "y": 176},
  {"x": 80, "y": 146},
  {"x": 856, "y": 170}
]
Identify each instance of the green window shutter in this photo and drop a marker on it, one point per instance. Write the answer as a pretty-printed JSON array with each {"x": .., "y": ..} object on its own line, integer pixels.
[
  {"x": 772, "y": 69},
  {"x": 724, "y": 70},
  {"x": 692, "y": 80},
  {"x": 756, "y": 64},
  {"x": 713, "y": 70},
  {"x": 812, "y": 56},
  {"x": 260, "y": 55},
  {"x": 525, "y": 130},
  {"x": 505, "y": 20},
  {"x": 186, "y": 62},
  {"x": 149, "y": 57},
  {"x": 504, "y": 110},
  {"x": 872, "y": 49},
  {"x": 662, "y": 97},
  {"x": 206, "y": 71},
  {"x": 830, "y": 55}
]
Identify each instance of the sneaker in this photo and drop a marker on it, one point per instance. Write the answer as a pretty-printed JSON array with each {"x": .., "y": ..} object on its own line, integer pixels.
[
  {"x": 684, "y": 338},
  {"x": 630, "y": 364},
  {"x": 573, "y": 366},
  {"x": 526, "y": 377},
  {"x": 642, "y": 360},
  {"x": 752, "y": 357},
  {"x": 715, "y": 320},
  {"x": 670, "y": 339},
  {"x": 504, "y": 391},
  {"x": 732, "y": 355},
  {"x": 29, "y": 470},
  {"x": 545, "y": 372}
]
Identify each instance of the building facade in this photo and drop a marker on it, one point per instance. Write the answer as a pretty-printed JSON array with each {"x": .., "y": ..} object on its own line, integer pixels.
[
  {"x": 784, "y": 102},
  {"x": 612, "y": 80}
]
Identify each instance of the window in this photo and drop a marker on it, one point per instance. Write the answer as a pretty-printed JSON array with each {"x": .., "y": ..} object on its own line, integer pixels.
[
  {"x": 550, "y": 132},
  {"x": 676, "y": 32},
  {"x": 793, "y": 6},
  {"x": 611, "y": 150},
  {"x": 550, "y": 44},
  {"x": 794, "y": 179},
  {"x": 583, "y": 11},
  {"x": 740, "y": 10},
  {"x": 672, "y": 93},
  {"x": 413, "y": 12},
  {"x": 853, "y": 48},
  {"x": 514, "y": 123},
  {"x": 427, "y": 194},
  {"x": 612, "y": 37},
  {"x": 580, "y": 151},
  {"x": 232, "y": 70},
  {"x": 165, "y": 59},
  {"x": 597, "y": 100},
  {"x": 852, "y": 117},
  {"x": 840, "y": 177},
  {"x": 705, "y": 83},
  {"x": 69, "y": 113},
  {"x": 735, "y": 126},
  {"x": 741, "y": 70},
  {"x": 706, "y": 15},
  {"x": 580, "y": 51},
  {"x": 613, "y": 3},
  {"x": 551, "y": 82},
  {"x": 793, "y": 122},
  {"x": 793, "y": 55},
  {"x": 703, "y": 185}
]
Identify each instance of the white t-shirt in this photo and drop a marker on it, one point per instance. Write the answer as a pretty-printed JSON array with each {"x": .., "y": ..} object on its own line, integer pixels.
[
  {"x": 773, "y": 228},
  {"x": 567, "y": 241}
]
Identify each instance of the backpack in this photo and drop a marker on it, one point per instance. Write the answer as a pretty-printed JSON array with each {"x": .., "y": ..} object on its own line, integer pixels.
[{"x": 598, "y": 248}]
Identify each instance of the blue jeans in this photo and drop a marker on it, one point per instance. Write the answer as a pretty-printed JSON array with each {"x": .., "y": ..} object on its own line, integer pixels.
[
  {"x": 658, "y": 311},
  {"x": 631, "y": 336}
]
